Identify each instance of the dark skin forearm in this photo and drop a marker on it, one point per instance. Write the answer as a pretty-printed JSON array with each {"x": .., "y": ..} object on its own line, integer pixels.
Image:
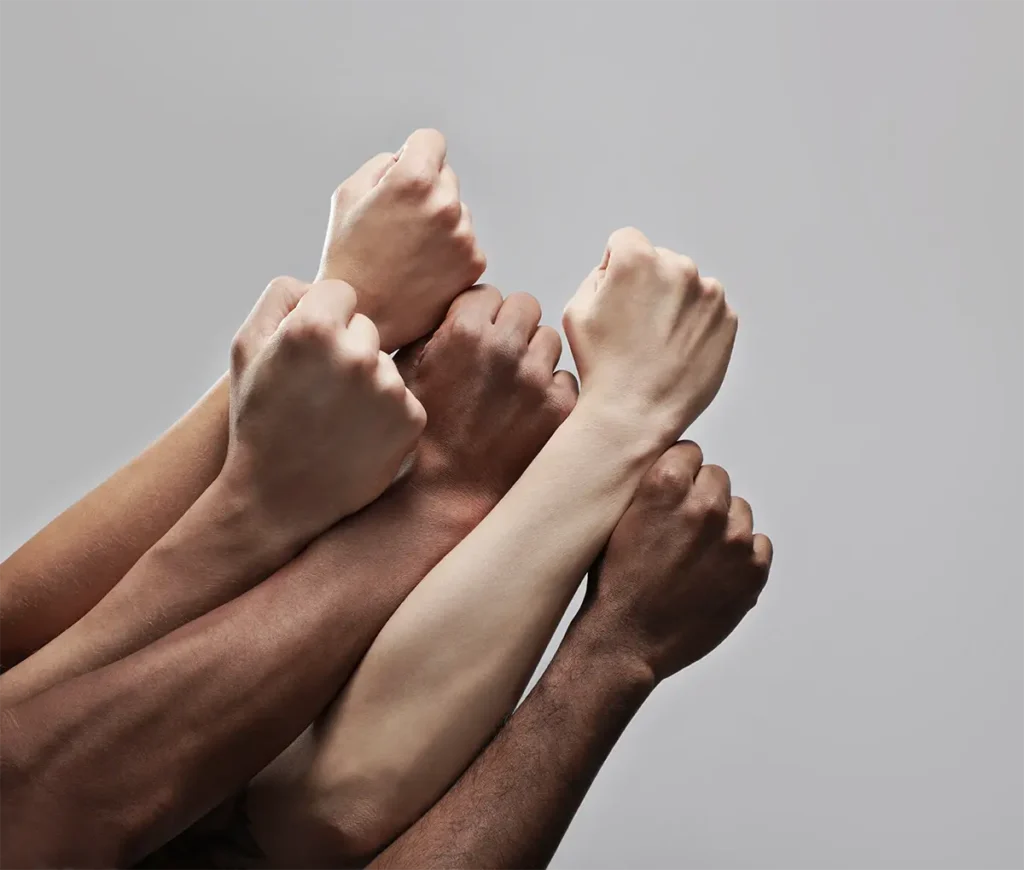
[
  {"x": 205, "y": 708},
  {"x": 513, "y": 805},
  {"x": 59, "y": 574}
]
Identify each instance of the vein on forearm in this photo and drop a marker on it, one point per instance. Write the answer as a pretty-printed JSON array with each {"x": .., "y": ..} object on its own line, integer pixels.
[{"x": 513, "y": 805}]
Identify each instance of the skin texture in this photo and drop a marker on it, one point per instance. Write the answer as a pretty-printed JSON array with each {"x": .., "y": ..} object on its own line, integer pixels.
[
  {"x": 299, "y": 458},
  {"x": 62, "y": 572},
  {"x": 227, "y": 692},
  {"x": 652, "y": 341},
  {"x": 681, "y": 570},
  {"x": 55, "y": 577}
]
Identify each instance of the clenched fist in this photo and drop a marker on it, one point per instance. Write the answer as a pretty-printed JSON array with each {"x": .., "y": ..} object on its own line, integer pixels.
[
  {"x": 320, "y": 417},
  {"x": 487, "y": 379},
  {"x": 681, "y": 569},
  {"x": 650, "y": 336},
  {"x": 401, "y": 236}
]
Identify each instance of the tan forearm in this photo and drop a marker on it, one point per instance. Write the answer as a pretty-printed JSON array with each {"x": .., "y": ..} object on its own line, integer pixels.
[{"x": 58, "y": 575}]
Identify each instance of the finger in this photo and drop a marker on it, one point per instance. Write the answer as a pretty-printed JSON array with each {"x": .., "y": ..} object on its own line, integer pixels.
[
  {"x": 448, "y": 183},
  {"x": 424, "y": 152},
  {"x": 331, "y": 302},
  {"x": 545, "y": 349},
  {"x": 740, "y": 525},
  {"x": 367, "y": 176},
  {"x": 628, "y": 249},
  {"x": 409, "y": 356},
  {"x": 478, "y": 305},
  {"x": 563, "y": 392},
  {"x": 276, "y": 302},
  {"x": 518, "y": 318},
  {"x": 686, "y": 458},
  {"x": 764, "y": 552},
  {"x": 387, "y": 377},
  {"x": 362, "y": 340},
  {"x": 712, "y": 482},
  {"x": 391, "y": 383},
  {"x": 566, "y": 381}
]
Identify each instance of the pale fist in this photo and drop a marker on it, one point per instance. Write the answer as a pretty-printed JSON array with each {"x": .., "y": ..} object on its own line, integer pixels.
[
  {"x": 650, "y": 336},
  {"x": 401, "y": 236},
  {"x": 320, "y": 417},
  {"x": 681, "y": 569}
]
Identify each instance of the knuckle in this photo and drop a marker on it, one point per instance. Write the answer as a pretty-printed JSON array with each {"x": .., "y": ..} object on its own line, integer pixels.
[
  {"x": 415, "y": 184},
  {"x": 308, "y": 331},
  {"x": 448, "y": 213},
  {"x": 669, "y": 476},
  {"x": 504, "y": 352},
  {"x": 687, "y": 269},
  {"x": 534, "y": 378},
  {"x": 358, "y": 358},
  {"x": 634, "y": 257},
  {"x": 281, "y": 284},
  {"x": 340, "y": 195},
  {"x": 241, "y": 347},
  {"x": 713, "y": 288}
]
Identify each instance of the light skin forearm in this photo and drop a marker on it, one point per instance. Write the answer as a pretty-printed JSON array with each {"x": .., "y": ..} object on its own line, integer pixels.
[
  {"x": 207, "y": 706},
  {"x": 64, "y": 570},
  {"x": 512, "y": 807},
  {"x": 458, "y": 653}
]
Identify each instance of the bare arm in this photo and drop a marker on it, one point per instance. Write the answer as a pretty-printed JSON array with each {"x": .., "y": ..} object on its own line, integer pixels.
[
  {"x": 651, "y": 340},
  {"x": 407, "y": 256},
  {"x": 680, "y": 571},
  {"x": 190, "y": 718},
  {"x": 514, "y": 804},
  {"x": 206, "y": 707},
  {"x": 60, "y": 573},
  {"x": 409, "y": 259}
]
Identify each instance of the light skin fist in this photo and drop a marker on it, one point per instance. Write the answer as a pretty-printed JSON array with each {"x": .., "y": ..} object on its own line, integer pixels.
[
  {"x": 651, "y": 337},
  {"x": 681, "y": 569},
  {"x": 320, "y": 417},
  {"x": 402, "y": 237}
]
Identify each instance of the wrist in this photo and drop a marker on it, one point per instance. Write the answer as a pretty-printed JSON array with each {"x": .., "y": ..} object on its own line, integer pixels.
[
  {"x": 590, "y": 646},
  {"x": 638, "y": 434},
  {"x": 231, "y": 508}
]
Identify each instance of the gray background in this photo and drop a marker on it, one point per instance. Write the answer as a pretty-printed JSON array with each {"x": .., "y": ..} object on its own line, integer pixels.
[{"x": 852, "y": 172}]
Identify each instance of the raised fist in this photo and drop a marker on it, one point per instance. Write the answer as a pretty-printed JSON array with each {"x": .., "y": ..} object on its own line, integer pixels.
[
  {"x": 650, "y": 336},
  {"x": 681, "y": 569},
  {"x": 402, "y": 237},
  {"x": 320, "y": 417}
]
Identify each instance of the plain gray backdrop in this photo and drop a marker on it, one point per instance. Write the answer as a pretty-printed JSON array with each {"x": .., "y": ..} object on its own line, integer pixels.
[{"x": 851, "y": 171}]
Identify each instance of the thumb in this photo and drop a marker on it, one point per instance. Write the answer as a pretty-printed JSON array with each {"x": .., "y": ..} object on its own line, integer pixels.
[
  {"x": 408, "y": 358},
  {"x": 368, "y": 176},
  {"x": 345, "y": 199},
  {"x": 276, "y": 303}
]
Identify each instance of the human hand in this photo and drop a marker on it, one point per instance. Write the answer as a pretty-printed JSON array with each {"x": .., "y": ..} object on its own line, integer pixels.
[
  {"x": 320, "y": 417},
  {"x": 399, "y": 234},
  {"x": 486, "y": 378},
  {"x": 681, "y": 569},
  {"x": 651, "y": 338}
]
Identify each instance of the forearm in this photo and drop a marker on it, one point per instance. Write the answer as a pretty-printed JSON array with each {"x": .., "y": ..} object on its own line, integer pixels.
[
  {"x": 458, "y": 653},
  {"x": 59, "y": 574},
  {"x": 216, "y": 551},
  {"x": 512, "y": 807},
  {"x": 195, "y": 715}
]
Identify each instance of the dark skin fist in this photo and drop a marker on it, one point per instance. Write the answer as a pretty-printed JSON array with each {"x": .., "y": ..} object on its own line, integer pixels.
[
  {"x": 488, "y": 383},
  {"x": 682, "y": 567}
]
